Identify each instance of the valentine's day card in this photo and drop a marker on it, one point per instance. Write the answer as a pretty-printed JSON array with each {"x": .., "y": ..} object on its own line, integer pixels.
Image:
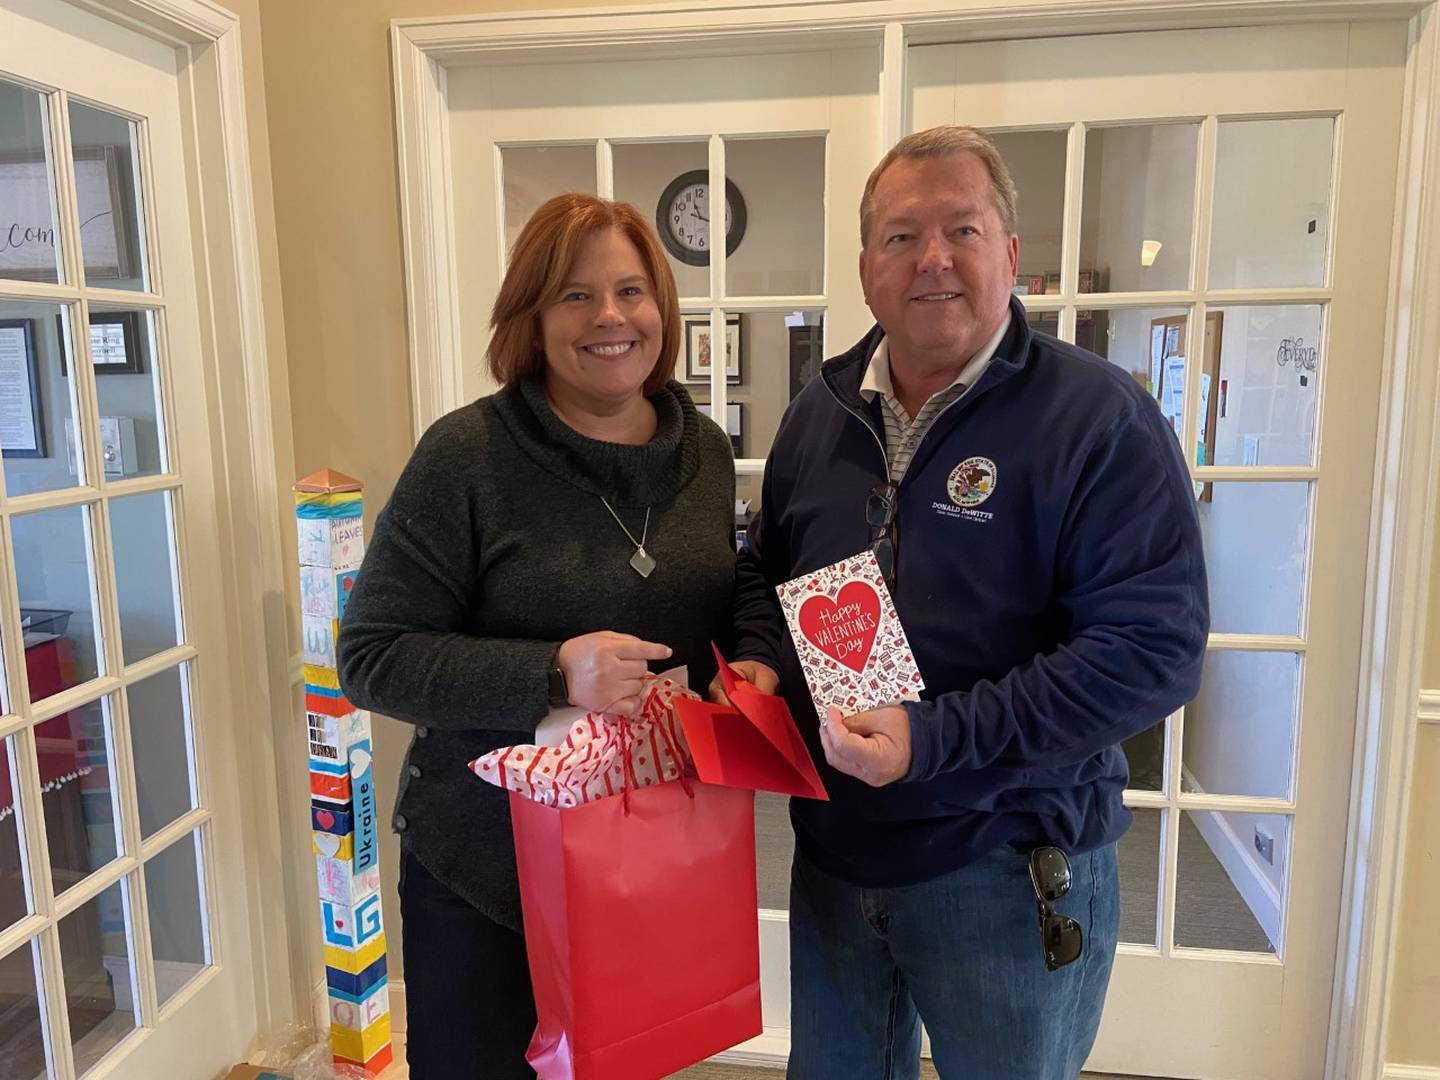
[{"x": 849, "y": 637}]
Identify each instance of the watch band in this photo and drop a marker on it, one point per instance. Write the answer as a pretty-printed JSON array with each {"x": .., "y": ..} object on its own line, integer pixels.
[{"x": 559, "y": 689}]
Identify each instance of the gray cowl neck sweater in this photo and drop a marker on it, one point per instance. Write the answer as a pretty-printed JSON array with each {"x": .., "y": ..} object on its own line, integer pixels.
[{"x": 494, "y": 548}]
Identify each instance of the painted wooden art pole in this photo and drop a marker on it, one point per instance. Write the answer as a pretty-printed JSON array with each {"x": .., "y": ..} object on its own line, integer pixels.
[{"x": 343, "y": 807}]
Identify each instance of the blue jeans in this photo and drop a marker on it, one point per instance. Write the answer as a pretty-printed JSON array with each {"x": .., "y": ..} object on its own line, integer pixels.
[{"x": 962, "y": 953}]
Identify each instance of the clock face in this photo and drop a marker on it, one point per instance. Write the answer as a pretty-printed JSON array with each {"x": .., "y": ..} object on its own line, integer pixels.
[
  {"x": 689, "y": 217},
  {"x": 682, "y": 217}
]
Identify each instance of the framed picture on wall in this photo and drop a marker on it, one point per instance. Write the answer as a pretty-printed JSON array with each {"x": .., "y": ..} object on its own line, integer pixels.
[
  {"x": 734, "y": 424},
  {"x": 27, "y": 209},
  {"x": 22, "y": 425},
  {"x": 114, "y": 343},
  {"x": 698, "y": 349}
]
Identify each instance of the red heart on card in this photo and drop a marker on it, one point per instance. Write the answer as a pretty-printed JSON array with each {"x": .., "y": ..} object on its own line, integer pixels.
[
  {"x": 843, "y": 628},
  {"x": 325, "y": 819}
]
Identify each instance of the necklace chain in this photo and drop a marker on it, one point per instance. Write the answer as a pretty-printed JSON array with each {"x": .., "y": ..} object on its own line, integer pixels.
[
  {"x": 644, "y": 532},
  {"x": 642, "y": 562}
]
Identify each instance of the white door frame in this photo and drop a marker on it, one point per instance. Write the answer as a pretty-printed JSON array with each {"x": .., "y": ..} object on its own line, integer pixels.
[
  {"x": 266, "y": 755},
  {"x": 1408, "y": 439}
]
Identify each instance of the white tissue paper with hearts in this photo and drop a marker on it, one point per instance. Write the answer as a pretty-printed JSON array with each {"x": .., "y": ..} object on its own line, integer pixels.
[{"x": 597, "y": 751}]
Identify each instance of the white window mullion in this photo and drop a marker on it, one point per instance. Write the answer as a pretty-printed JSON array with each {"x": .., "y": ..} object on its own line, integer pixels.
[
  {"x": 1257, "y": 642},
  {"x": 718, "y": 388},
  {"x": 82, "y": 382},
  {"x": 55, "y": 1016},
  {"x": 34, "y": 845},
  {"x": 141, "y": 953},
  {"x": 1170, "y": 833},
  {"x": 1070, "y": 228},
  {"x": 604, "y": 169},
  {"x": 1195, "y": 326},
  {"x": 152, "y": 270},
  {"x": 894, "y": 101},
  {"x": 773, "y": 305},
  {"x": 497, "y": 166}
]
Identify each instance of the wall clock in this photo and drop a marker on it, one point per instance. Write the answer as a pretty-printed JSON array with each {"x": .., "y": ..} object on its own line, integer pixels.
[{"x": 682, "y": 217}]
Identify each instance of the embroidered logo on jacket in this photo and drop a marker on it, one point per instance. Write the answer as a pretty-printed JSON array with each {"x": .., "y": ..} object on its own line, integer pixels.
[{"x": 972, "y": 482}]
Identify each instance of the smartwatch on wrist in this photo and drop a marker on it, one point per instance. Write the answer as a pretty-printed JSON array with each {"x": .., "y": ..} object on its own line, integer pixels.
[{"x": 559, "y": 689}]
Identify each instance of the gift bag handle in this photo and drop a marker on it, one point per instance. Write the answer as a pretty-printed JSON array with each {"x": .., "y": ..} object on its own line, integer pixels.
[{"x": 679, "y": 755}]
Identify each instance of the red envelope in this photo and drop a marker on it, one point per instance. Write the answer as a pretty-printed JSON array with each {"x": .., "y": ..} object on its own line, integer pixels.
[{"x": 755, "y": 745}]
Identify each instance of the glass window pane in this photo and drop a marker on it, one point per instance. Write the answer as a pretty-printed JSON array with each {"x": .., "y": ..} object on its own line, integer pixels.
[
  {"x": 778, "y": 223},
  {"x": 14, "y": 904},
  {"x": 536, "y": 174},
  {"x": 99, "y": 990},
  {"x": 772, "y": 357},
  {"x": 160, "y": 738},
  {"x": 22, "y": 1035},
  {"x": 1044, "y": 322},
  {"x": 1240, "y": 729},
  {"x": 1228, "y": 891},
  {"x": 37, "y": 398},
  {"x": 1145, "y": 754},
  {"x": 1147, "y": 343},
  {"x": 177, "y": 916},
  {"x": 81, "y": 819},
  {"x": 1036, "y": 160},
  {"x": 1139, "y": 206},
  {"x": 747, "y": 505},
  {"x": 672, "y": 182},
  {"x": 56, "y": 574},
  {"x": 1138, "y": 854},
  {"x": 774, "y": 849},
  {"x": 28, "y": 224},
  {"x": 1272, "y": 203},
  {"x": 107, "y": 184},
  {"x": 127, "y": 386},
  {"x": 1262, "y": 365},
  {"x": 142, "y": 536},
  {"x": 1256, "y": 538}
]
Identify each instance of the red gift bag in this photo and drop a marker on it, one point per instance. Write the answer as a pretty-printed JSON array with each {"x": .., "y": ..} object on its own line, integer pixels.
[{"x": 641, "y": 930}]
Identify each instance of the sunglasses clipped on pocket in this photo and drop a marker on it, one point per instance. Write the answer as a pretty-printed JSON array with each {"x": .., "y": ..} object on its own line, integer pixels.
[{"x": 1060, "y": 935}]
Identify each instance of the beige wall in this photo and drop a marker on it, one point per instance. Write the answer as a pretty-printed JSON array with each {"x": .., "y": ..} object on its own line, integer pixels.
[
  {"x": 1415, "y": 992},
  {"x": 292, "y": 784}
]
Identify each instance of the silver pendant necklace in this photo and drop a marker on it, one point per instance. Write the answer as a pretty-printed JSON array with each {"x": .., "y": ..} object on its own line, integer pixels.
[{"x": 642, "y": 562}]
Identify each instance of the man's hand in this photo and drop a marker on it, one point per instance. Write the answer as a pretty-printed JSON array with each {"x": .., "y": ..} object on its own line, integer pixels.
[
  {"x": 761, "y": 676},
  {"x": 871, "y": 746}
]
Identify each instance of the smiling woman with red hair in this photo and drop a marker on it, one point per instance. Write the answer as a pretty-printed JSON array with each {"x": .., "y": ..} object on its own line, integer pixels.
[{"x": 544, "y": 547}]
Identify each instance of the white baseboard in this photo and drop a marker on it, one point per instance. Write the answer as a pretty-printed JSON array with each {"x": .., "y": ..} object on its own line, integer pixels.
[
  {"x": 1241, "y": 863},
  {"x": 1412, "y": 1072},
  {"x": 768, "y": 1050}
]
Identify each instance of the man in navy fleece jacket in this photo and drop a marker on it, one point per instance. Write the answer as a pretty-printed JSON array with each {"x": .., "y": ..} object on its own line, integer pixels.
[{"x": 1039, "y": 524}]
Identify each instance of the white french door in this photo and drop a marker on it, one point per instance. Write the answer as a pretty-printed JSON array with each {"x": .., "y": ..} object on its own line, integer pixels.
[
  {"x": 1211, "y": 211},
  {"x": 123, "y": 928}
]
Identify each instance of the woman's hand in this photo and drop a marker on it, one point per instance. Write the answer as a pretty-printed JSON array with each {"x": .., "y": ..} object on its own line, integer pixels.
[
  {"x": 603, "y": 670},
  {"x": 761, "y": 676}
]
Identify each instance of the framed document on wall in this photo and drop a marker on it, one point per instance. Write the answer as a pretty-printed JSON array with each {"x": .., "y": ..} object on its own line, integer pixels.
[{"x": 22, "y": 426}]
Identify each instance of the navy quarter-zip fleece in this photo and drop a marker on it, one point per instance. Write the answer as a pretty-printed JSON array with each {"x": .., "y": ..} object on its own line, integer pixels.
[{"x": 1061, "y": 615}]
